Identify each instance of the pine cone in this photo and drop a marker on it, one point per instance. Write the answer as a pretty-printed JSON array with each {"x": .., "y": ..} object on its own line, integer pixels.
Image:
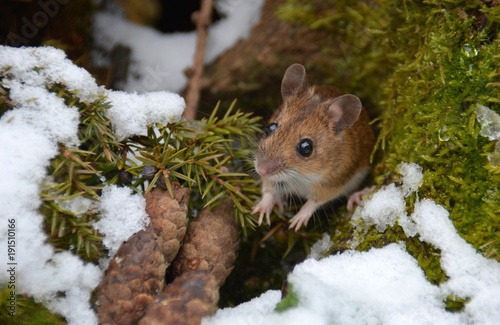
[
  {"x": 168, "y": 217},
  {"x": 191, "y": 296},
  {"x": 135, "y": 275},
  {"x": 211, "y": 243}
]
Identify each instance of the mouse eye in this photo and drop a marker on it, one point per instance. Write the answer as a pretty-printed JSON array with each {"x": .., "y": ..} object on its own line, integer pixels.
[
  {"x": 305, "y": 147},
  {"x": 270, "y": 129}
]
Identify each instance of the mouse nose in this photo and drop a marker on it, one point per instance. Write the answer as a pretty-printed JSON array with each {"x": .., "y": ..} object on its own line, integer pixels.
[
  {"x": 267, "y": 167},
  {"x": 261, "y": 170}
]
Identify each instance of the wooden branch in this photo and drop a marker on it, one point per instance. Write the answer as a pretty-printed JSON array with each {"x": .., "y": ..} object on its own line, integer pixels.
[{"x": 202, "y": 19}]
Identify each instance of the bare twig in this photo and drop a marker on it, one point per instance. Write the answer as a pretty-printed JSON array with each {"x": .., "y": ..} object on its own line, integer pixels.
[{"x": 202, "y": 19}]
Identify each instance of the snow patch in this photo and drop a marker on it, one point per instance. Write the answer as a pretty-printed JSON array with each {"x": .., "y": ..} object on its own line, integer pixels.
[
  {"x": 39, "y": 66},
  {"x": 78, "y": 205},
  {"x": 321, "y": 247},
  {"x": 388, "y": 205},
  {"x": 251, "y": 312},
  {"x": 123, "y": 214},
  {"x": 130, "y": 114},
  {"x": 381, "y": 286},
  {"x": 386, "y": 285},
  {"x": 470, "y": 274},
  {"x": 31, "y": 133}
]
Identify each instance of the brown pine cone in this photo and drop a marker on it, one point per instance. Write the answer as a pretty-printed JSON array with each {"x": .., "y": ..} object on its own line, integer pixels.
[
  {"x": 191, "y": 296},
  {"x": 135, "y": 275},
  {"x": 211, "y": 243},
  {"x": 168, "y": 217}
]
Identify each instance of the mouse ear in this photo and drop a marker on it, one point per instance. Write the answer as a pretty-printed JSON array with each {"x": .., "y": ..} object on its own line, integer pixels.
[
  {"x": 344, "y": 112},
  {"x": 294, "y": 80}
]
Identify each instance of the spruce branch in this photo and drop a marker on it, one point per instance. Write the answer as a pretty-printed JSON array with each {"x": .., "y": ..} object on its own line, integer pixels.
[
  {"x": 79, "y": 172},
  {"x": 208, "y": 156}
]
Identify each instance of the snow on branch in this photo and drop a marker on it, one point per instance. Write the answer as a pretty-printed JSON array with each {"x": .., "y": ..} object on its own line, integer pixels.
[{"x": 33, "y": 130}]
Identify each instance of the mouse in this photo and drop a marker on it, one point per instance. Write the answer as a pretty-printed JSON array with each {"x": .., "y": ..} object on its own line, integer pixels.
[{"x": 317, "y": 146}]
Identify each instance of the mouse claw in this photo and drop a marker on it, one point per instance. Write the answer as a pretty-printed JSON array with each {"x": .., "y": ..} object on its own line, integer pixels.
[
  {"x": 357, "y": 198},
  {"x": 265, "y": 206},
  {"x": 304, "y": 214},
  {"x": 268, "y": 218},
  {"x": 297, "y": 222},
  {"x": 261, "y": 215}
]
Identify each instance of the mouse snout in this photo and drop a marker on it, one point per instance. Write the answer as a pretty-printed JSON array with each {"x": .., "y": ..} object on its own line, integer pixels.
[{"x": 268, "y": 167}]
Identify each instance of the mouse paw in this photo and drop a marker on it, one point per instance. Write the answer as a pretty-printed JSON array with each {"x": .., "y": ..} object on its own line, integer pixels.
[
  {"x": 357, "y": 198},
  {"x": 298, "y": 220},
  {"x": 266, "y": 205},
  {"x": 303, "y": 216}
]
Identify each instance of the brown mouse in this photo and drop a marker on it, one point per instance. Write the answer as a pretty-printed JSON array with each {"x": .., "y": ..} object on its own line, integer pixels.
[{"x": 317, "y": 146}]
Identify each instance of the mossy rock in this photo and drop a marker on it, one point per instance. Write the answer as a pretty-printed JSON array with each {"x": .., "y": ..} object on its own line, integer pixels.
[{"x": 425, "y": 67}]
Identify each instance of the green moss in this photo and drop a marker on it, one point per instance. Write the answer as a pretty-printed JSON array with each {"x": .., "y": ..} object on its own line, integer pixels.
[
  {"x": 289, "y": 301},
  {"x": 424, "y": 66},
  {"x": 358, "y": 53},
  {"x": 454, "y": 303},
  {"x": 434, "y": 115},
  {"x": 26, "y": 312}
]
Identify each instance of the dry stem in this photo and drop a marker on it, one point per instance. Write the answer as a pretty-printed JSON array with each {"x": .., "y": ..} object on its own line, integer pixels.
[{"x": 202, "y": 18}]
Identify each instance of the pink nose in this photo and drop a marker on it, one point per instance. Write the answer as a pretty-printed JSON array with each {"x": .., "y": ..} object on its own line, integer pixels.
[
  {"x": 262, "y": 170},
  {"x": 267, "y": 167}
]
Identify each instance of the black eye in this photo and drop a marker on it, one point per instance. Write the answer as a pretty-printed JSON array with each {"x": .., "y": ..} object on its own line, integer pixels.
[
  {"x": 305, "y": 148},
  {"x": 270, "y": 129}
]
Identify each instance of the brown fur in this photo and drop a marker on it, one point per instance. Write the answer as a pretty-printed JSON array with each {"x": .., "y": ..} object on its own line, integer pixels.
[{"x": 336, "y": 158}]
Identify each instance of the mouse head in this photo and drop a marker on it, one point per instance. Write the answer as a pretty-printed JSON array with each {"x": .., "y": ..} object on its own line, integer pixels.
[{"x": 306, "y": 135}]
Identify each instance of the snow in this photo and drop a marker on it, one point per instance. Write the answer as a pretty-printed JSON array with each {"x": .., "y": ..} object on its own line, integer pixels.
[
  {"x": 159, "y": 60},
  {"x": 470, "y": 274},
  {"x": 64, "y": 272},
  {"x": 25, "y": 66},
  {"x": 412, "y": 177},
  {"x": 383, "y": 209},
  {"x": 251, "y": 312},
  {"x": 39, "y": 122},
  {"x": 382, "y": 286},
  {"x": 155, "y": 107},
  {"x": 490, "y": 122},
  {"x": 385, "y": 285},
  {"x": 321, "y": 248},
  {"x": 78, "y": 205},
  {"x": 123, "y": 214},
  {"x": 30, "y": 136},
  {"x": 388, "y": 204}
]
